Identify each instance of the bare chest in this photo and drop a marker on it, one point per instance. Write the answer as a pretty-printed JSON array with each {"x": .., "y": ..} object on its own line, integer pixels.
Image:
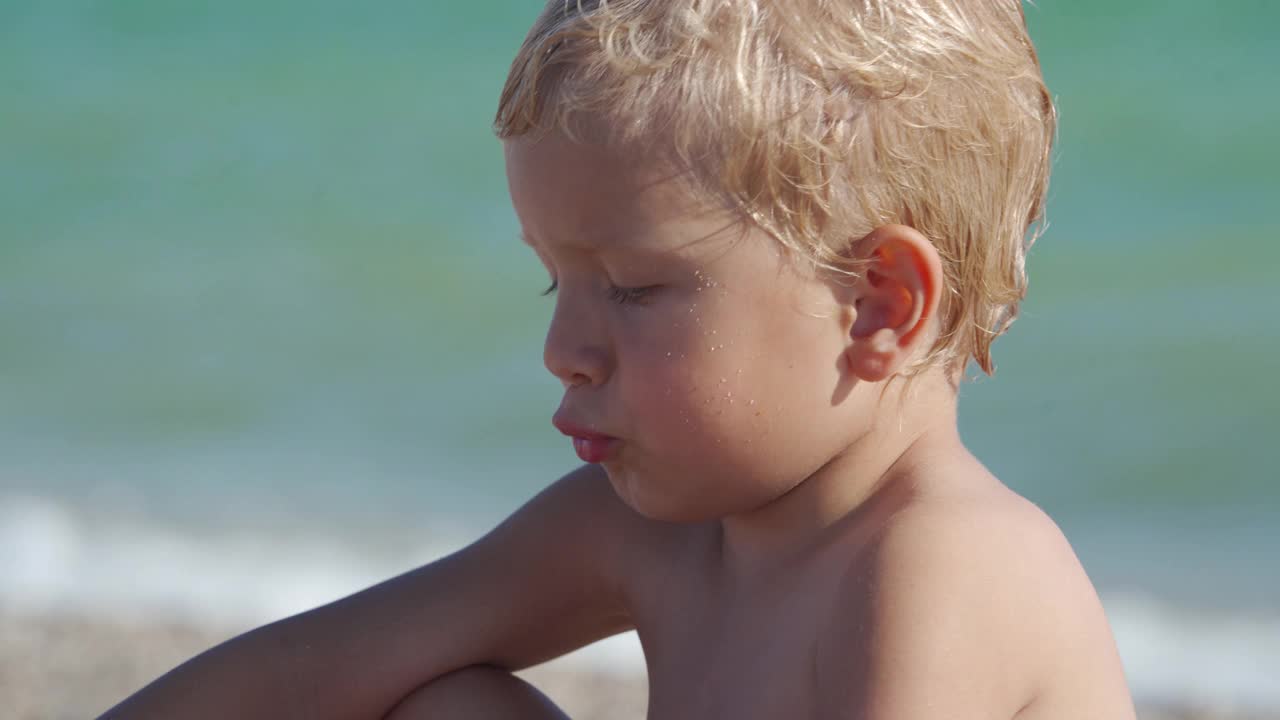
[{"x": 721, "y": 660}]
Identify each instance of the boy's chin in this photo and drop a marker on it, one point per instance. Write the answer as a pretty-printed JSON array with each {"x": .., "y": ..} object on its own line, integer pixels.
[{"x": 658, "y": 498}]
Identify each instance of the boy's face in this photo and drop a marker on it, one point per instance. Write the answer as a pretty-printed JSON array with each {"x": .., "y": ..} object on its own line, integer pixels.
[{"x": 702, "y": 368}]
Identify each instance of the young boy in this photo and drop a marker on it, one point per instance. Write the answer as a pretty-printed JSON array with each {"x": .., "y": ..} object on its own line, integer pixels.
[{"x": 776, "y": 233}]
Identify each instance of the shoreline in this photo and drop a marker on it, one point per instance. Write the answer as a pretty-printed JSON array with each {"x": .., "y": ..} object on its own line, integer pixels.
[{"x": 65, "y": 666}]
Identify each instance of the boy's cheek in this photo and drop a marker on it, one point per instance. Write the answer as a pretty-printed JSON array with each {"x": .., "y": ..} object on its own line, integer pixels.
[
  {"x": 691, "y": 407},
  {"x": 658, "y": 391}
]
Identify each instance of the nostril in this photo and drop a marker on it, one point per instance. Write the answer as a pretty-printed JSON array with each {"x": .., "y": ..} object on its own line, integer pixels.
[{"x": 574, "y": 380}]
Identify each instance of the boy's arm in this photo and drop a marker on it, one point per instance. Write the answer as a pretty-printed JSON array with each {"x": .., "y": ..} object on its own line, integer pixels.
[{"x": 537, "y": 586}]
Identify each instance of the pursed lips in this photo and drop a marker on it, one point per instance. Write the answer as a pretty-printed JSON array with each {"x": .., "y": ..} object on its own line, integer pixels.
[{"x": 591, "y": 446}]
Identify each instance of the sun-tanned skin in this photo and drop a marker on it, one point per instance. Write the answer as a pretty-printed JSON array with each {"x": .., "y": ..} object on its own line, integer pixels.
[{"x": 793, "y": 530}]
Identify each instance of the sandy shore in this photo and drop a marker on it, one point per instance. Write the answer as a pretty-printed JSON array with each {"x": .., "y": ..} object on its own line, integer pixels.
[{"x": 61, "y": 667}]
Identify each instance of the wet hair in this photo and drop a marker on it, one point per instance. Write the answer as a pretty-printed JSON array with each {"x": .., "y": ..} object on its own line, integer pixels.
[{"x": 821, "y": 120}]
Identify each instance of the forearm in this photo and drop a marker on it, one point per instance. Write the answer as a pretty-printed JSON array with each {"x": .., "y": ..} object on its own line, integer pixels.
[{"x": 261, "y": 674}]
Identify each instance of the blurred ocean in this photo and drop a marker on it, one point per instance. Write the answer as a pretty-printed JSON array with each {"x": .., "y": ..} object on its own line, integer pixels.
[{"x": 266, "y": 334}]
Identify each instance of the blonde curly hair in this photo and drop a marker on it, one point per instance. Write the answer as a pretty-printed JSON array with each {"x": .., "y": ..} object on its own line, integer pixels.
[{"x": 821, "y": 120}]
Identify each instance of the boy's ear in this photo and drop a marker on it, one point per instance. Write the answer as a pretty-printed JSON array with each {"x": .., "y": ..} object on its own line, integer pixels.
[{"x": 889, "y": 308}]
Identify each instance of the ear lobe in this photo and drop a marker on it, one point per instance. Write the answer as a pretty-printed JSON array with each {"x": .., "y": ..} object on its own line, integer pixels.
[
  {"x": 874, "y": 358},
  {"x": 893, "y": 302}
]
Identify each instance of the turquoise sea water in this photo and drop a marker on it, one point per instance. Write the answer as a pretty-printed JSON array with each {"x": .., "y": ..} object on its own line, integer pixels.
[{"x": 259, "y": 279}]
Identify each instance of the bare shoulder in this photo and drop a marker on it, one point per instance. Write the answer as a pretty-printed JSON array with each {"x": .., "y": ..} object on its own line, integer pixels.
[
  {"x": 972, "y": 599},
  {"x": 989, "y": 546},
  {"x": 581, "y": 520}
]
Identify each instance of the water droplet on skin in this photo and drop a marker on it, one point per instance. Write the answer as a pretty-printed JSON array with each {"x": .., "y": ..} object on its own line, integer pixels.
[
  {"x": 668, "y": 354},
  {"x": 724, "y": 380},
  {"x": 713, "y": 348},
  {"x": 751, "y": 402}
]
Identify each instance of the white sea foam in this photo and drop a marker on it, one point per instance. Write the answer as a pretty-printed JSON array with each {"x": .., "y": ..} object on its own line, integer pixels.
[
  {"x": 1202, "y": 658},
  {"x": 52, "y": 559}
]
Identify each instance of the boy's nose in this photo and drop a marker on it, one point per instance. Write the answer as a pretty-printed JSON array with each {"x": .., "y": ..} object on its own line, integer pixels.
[{"x": 574, "y": 353}]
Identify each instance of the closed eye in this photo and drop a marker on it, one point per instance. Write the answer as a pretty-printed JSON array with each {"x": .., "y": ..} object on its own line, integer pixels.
[
  {"x": 620, "y": 295},
  {"x": 626, "y": 296}
]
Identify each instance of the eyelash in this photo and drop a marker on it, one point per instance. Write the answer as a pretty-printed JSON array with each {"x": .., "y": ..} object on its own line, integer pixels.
[
  {"x": 620, "y": 295},
  {"x": 627, "y": 296}
]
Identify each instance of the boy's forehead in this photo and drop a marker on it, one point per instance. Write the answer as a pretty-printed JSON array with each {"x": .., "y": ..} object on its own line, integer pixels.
[
  {"x": 585, "y": 165},
  {"x": 589, "y": 192}
]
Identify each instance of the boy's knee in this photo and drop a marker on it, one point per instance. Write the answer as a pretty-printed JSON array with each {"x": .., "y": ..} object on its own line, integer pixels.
[{"x": 477, "y": 692}]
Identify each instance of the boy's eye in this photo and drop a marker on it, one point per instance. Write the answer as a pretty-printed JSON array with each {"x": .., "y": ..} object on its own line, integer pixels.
[
  {"x": 620, "y": 295},
  {"x": 625, "y": 296}
]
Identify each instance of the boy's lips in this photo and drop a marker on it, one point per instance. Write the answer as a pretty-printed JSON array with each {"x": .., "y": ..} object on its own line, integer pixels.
[{"x": 591, "y": 446}]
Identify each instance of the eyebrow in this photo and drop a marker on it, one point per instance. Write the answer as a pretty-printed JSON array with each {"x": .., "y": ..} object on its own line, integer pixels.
[{"x": 538, "y": 248}]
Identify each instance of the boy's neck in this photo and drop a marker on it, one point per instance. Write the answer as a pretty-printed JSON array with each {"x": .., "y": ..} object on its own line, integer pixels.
[{"x": 881, "y": 463}]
